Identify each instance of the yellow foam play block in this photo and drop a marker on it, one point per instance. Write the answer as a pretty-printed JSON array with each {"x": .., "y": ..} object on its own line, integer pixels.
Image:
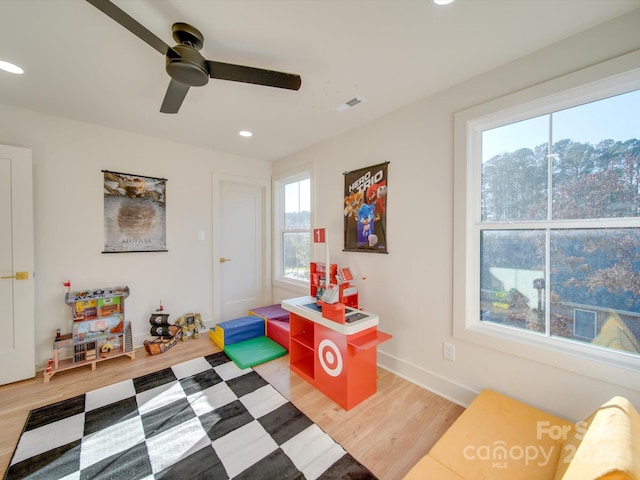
[{"x": 217, "y": 336}]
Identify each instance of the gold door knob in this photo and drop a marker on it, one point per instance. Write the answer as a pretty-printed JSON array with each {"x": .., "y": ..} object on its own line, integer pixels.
[
  {"x": 18, "y": 276},
  {"x": 222, "y": 259}
]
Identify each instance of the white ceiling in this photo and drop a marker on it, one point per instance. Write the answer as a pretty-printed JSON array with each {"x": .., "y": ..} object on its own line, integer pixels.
[{"x": 82, "y": 65}]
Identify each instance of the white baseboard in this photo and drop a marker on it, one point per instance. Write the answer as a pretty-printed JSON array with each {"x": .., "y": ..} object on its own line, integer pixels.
[{"x": 437, "y": 384}]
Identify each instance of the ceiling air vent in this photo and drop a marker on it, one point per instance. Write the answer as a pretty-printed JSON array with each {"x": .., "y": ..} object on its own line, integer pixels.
[{"x": 350, "y": 104}]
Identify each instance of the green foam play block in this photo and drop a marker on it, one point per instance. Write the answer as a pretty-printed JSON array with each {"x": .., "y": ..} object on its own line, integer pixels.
[{"x": 254, "y": 351}]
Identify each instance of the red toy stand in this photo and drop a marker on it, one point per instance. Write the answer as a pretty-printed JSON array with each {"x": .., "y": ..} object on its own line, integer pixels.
[
  {"x": 333, "y": 345},
  {"x": 344, "y": 371},
  {"x": 339, "y": 359}
]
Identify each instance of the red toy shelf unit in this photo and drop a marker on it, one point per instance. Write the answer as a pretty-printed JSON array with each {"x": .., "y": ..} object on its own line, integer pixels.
[
  {"x": 348, "y": 294},
  {"x": 341, "y": 365}
]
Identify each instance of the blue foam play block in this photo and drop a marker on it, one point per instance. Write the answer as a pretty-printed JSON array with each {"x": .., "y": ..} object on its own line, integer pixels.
[{"x": 238, "y": 330}]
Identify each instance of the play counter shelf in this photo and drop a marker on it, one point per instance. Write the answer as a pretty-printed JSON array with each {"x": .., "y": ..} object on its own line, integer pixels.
[{"x": 339, "y": 359}]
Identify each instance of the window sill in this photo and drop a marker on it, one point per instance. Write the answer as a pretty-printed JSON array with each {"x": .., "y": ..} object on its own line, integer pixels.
[
  {"x": 298, "y": 286},
  {"x": 618, "y": 368}
]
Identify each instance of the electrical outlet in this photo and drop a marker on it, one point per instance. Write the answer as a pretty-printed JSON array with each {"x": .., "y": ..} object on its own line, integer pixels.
[{"x": 449, "y": 351}]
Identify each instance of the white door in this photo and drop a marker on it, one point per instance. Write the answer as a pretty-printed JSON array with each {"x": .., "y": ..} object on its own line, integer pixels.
[
  {"x": 17, "y": 342},
  {"x": 239, "y": 252}
]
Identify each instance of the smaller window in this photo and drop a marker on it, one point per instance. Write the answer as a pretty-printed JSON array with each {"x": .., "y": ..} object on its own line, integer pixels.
[
  {"x": 584, "y": 323},
  {"x": 293, "y": 223}
]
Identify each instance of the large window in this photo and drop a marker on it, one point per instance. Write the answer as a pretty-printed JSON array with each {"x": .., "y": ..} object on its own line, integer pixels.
[
  {"x": 552, "y": 215},
  {"x": 293, "y": 222}
]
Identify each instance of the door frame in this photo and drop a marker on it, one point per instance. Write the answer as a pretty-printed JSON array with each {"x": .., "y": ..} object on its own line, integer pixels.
[
  {"x": 216, "y": 235},
  {"x": 23, "y": 256}
]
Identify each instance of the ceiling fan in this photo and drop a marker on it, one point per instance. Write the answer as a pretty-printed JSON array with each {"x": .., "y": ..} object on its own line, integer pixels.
[{"x": 187, "y": 67}]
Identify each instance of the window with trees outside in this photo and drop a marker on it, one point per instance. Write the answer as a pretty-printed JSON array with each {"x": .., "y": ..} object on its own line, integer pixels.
[
  {"x": 554, "y": 225},
  {"x": 295, "y": 227}
]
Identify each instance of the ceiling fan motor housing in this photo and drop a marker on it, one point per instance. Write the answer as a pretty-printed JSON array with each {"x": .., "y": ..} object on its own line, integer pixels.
[
  {"x": 190, "y": 68},
  {"x": 184, "y": 63}
]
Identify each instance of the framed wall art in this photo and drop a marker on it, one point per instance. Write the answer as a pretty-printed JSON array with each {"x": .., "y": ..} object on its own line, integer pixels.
[
  {"x": 365, "y": 209},
  {"x": 134, "y": 213}
]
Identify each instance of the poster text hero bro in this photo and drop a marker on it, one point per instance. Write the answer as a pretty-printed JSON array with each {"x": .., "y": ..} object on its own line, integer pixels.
[{"x": 365, "y": 209}]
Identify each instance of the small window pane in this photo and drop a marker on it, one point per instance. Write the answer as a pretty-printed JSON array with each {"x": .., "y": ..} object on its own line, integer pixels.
[
  {"x": 584, "y": 324},
  {"x": 296, "y": 248},
  {"x": 296, "y": 234},
  {"x": 597, "y": 270},
  {"x": 512, "y": 278},
  {"x": 596, "y": 159},
  {"x": 514, "y": 171},
  {"x": 297, "y": 203}
]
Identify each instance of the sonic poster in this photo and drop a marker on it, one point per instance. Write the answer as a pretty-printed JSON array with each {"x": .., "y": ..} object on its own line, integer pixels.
[{"x": 365, "y": 209}]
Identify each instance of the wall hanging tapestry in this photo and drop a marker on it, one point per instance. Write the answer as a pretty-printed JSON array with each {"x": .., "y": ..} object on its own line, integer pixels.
[
  {"x": 134, "y": 213},
  {"x": 365, "y": 214},
  {"x": 204, "y": 418}
]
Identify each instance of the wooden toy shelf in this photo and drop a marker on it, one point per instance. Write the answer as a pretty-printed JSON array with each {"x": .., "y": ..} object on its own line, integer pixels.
[
  {"x": 99, "y": 330},
  {"x": 68, "y": 363}
]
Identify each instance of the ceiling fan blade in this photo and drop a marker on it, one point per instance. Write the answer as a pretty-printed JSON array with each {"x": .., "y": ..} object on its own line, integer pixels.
[
  {"x": 257, "y": 76},
  {"x": 124, "y": 19},
  {"x": 174, "y": 97}
]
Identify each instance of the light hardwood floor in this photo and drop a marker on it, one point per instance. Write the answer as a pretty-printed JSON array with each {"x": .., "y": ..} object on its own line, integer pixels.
[{"x": 388, "y": 433}]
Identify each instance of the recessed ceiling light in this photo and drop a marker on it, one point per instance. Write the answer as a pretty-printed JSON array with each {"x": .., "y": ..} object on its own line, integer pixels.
[
  {"x": 10, "y": 67},
  {"x": 443, "y": 2},
  {"x": 245, "y": 133}
]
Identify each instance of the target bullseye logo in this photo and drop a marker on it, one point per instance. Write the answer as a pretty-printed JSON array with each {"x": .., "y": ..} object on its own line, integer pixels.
[{"x": 330, "y": 358}]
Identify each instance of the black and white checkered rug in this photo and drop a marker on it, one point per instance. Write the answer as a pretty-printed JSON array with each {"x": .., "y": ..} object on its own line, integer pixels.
[{"x": 201, "y": 419}]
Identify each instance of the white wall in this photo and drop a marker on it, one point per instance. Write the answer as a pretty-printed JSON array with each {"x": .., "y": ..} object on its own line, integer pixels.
[
  {"x": 411, "y": 288},
  {"x": 68, "y": 158}
]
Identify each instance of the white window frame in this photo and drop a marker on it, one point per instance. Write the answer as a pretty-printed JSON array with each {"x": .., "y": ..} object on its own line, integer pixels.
[
  {"x": 278, "y": 183},
  {"x": 616, "y": 76}
]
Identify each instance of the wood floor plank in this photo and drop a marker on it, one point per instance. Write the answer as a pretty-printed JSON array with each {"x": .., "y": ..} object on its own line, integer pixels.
[{"x": 388, "y": 433}]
